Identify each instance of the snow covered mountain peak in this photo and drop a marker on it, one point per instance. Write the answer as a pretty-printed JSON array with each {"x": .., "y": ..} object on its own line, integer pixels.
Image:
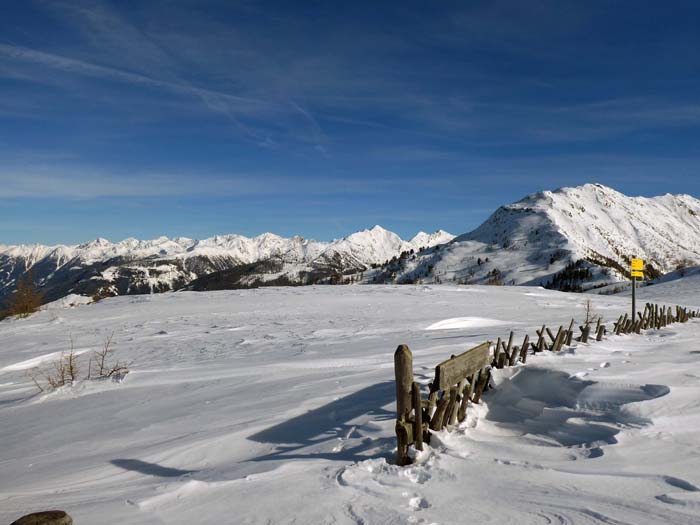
[
  {"x": 571, "y": 235},
  {"x": 140, "y": 266},
  {"x": 239, "y": 246},
  {"x": 593, "y": 226},
  {"x": 422, "y": 239}
]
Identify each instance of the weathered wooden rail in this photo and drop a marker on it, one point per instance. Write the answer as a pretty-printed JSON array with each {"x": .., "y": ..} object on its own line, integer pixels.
[
  {"x": 462, "y": 379},
  {"x": 459, "y": 380}
]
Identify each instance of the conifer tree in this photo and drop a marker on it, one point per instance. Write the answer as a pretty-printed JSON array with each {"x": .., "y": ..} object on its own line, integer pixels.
[{"x": 26, "y": 300}]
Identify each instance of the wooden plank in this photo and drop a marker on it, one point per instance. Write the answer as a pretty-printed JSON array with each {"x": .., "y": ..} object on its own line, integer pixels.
[
  {"x": 618, "y": 326},
  {"x": 417, "y": 417},
  {"x": 601, "y": 333},
  {"x": 638, "y": 326},
  {"x": 436, "y": 420},
  {"x": 558, "y": 340},
  {"x": 484, "y": 376},
  {"x": 456, "y": 368},
  {"x": 510, "y": 344},
  {"x": 549, "y": 333},
  {"x": 472, "y": 385},
  {"x": 501, "y": 361},
  {"x": 570, "y": 333},
  {"x": 432, "y": 400},
  {"x": 523, "y": 350},
  {"x": 513, "y": 355},
  {"x": 496, "y": 352},
  {"x": 453, "y": 406},
  {"x": 466, "y": 395}
]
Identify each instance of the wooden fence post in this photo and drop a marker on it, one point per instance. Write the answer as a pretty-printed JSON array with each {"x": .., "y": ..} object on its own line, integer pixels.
[
  {"x": 496, "y": 353},
  {"x": 585, "y": 332},
  {"x": 570, "y": 333},
  {"x": 524, "y": 348},
  {"x": 403, "y": 371},
  {"x": 601, "y": 333}
]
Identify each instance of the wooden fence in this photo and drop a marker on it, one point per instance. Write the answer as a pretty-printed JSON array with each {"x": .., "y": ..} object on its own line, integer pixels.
[{"x": 463, "y": 378}]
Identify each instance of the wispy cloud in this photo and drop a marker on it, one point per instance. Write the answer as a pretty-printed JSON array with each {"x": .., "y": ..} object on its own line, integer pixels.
[
  {"x": 215, "y": 100},
  {"x": 143, "y": 62},
  {"x": 65, "y": 179},
  {"x": 404, "y": 87}
]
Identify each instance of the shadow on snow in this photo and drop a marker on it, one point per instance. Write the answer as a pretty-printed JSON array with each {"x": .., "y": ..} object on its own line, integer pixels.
[
  {"x": 329, "y": 422},
  {"x": 150, "y": 469}
]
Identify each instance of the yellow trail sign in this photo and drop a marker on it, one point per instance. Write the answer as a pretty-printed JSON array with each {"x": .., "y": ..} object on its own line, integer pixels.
[{"x": 636, "y": 270}]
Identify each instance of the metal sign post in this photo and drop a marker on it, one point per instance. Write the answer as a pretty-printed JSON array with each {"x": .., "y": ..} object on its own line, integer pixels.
[
  {"x": 634, "y": 300},
  {"x": 636, "y": 270}
]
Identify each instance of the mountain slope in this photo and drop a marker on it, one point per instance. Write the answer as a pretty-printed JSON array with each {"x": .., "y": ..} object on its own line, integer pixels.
[
  {"x": 134, "y": 266},
  {"x": 570, "y": 238}
]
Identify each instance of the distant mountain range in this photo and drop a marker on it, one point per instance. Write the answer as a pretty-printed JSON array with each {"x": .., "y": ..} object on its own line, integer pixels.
[
  {"x": 570, "y": 239},
  {"x": 225, "y": 261}
]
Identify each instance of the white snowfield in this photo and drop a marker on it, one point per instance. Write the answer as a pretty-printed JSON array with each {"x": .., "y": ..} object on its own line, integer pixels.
[{"x": 276, "y": 405}]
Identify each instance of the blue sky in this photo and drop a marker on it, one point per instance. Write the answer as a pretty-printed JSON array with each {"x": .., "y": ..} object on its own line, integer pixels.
[{"x": 192, "y": 118}]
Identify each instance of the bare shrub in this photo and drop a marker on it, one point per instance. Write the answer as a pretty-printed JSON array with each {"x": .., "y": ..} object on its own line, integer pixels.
[
  {"x": 66, "y": 369},
  {"x": 104, "y": 365},
  {"x": 591, "y": 315},
  {"x": 33, "y": 376}
]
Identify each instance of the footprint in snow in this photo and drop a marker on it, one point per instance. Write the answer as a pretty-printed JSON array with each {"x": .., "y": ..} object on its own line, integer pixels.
[
  {"x": 680, "y": 484},
  {"x": 690, "y": 497},
  {"x": 417, "y": 503}
]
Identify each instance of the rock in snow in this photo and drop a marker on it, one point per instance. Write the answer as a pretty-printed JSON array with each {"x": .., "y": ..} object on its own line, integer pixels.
[{"x": 49, "y": 517}]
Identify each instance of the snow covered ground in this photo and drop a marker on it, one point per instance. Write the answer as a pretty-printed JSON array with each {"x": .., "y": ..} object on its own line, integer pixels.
[{"x": 276, "y": 405}]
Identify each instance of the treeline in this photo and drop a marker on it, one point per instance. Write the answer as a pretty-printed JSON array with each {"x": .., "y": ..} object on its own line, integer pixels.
[{"x": 25, "y": 300}]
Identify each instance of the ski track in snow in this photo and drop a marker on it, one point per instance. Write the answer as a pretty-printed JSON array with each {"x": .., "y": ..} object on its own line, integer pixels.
[{"x": 277, "y": 406}]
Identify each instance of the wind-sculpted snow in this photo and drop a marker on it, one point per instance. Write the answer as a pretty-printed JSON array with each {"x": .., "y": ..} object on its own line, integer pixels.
[{"x": 277, "y": 405}]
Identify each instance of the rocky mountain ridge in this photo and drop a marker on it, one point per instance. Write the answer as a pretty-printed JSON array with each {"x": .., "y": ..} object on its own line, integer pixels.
[
  {"x": 572, "y": 239},
  {"x": 163, "y": 264}
]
